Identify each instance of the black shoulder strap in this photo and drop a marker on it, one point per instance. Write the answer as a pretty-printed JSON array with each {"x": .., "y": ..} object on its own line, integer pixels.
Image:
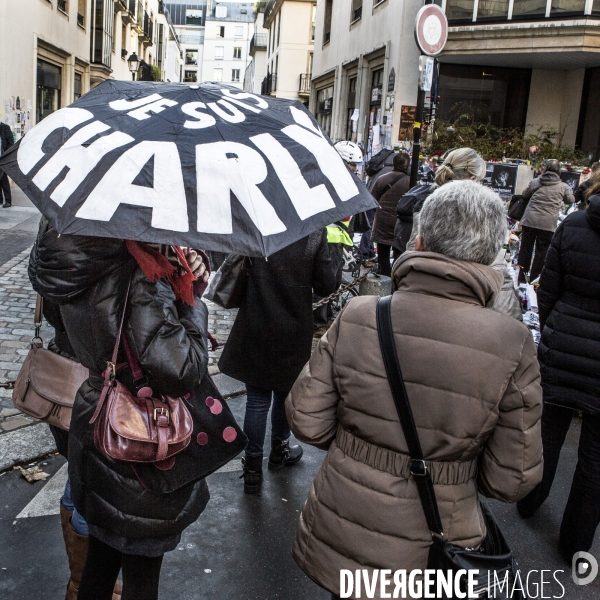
[{"x": 418, "y": 468}]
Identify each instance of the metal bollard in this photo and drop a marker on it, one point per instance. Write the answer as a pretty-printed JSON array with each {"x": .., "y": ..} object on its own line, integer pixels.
[{"x": 375, "y": 285}]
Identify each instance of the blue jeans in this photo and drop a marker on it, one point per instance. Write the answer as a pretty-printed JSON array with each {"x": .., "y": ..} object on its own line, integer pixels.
[
  {"x": 258, "y": 404},
  {"x": 78, "y": 522}
]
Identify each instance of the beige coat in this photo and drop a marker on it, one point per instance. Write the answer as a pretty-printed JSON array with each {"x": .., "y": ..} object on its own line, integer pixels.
[
  {"x": 546, "y": 194},
  {"x": 473, "y": 380}
]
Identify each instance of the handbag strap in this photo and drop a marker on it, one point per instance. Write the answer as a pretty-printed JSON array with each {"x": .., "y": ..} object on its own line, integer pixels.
[
  {"x": 418, "y": 468},
  {"x": 111, "y": 366},
  {"x": 38, "y": 318}
]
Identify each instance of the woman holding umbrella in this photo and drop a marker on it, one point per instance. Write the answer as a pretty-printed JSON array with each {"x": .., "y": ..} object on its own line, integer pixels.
[{"x": 129, "y": 528}]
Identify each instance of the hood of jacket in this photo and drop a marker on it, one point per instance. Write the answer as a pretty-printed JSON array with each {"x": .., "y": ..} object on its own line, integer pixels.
[
  {"x": 593, "y": 212},
  {"x": 549, "y": 178},
  {"x": 67, "y": 265},
  {"x": 439, "y": 275}
]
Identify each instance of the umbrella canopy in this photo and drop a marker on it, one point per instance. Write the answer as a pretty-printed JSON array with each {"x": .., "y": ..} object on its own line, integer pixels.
[{"x": 206, "y": 166}]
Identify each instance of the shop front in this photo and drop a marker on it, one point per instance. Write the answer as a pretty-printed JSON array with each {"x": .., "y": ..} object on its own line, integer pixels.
[{"x": 49, "y": 85}]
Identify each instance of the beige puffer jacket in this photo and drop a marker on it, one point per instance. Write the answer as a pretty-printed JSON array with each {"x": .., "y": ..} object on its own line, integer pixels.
[{"x": 473, "y": 380}]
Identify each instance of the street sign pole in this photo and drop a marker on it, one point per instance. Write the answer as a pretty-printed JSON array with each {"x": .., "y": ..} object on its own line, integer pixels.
[{"x": 431, "y": 33}]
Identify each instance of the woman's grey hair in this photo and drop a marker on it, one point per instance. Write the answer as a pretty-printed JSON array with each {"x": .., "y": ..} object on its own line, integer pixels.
[
  {"x": 464, "y": 220},
  {"x": 552, "y": 165},
  {"x": 462, "y": 163}
]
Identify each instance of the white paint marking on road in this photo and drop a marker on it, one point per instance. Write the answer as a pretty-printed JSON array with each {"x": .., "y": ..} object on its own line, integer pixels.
[{"x": 47, "y": 501}]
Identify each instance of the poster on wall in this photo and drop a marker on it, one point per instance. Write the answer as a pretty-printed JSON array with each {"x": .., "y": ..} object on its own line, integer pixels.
[
  {"x": 502, "y": 178},
  {"x": 407, "y": 119},
  {"x": 571, "y": 179}
]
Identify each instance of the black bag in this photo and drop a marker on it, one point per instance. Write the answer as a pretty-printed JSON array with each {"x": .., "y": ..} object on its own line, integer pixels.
[
  {"x": 516, "y": 207},
  {"x": 228, "y": 286},
  {"x": 494, "y": 560},
  {"x": 361, "y": 223},
  {"x": 216, "y": 439},
  {"x": 377, "y": 162}
]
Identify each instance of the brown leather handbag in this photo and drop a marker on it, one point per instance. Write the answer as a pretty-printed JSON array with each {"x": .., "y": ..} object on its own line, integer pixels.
[
  {"x": 47, "y": 382},
  {"x": 138, "y": 429}
]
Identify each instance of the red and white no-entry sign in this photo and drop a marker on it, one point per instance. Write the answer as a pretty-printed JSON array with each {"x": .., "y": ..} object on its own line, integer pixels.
[{"x": 431, "y": 29}]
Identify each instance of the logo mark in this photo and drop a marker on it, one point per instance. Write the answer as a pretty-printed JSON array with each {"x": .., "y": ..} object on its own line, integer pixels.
[{"x": 585, "y": 568}]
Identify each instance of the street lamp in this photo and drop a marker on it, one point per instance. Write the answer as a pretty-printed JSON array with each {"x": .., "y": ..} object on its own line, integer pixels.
[{"x": 133, "y": 62}]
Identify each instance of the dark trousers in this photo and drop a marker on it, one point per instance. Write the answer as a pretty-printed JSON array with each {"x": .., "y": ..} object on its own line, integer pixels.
[
  {"x": 582, "y": 513},
  {"x": 366, "y": 246},
  {"x": 258, "y": 403},
  {"x": 5, "y": 188},
  {"x": 383, "y": 258},
  {"x": 531, "y": 237},
  {"x": 141, "y": 574}
]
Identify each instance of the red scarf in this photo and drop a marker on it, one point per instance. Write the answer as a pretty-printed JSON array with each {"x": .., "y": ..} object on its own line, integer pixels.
[{"x": 155, "y": 266}]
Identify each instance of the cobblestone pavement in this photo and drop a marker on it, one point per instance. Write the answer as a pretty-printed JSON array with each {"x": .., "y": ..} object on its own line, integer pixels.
[{"x": 17, "y": 304}]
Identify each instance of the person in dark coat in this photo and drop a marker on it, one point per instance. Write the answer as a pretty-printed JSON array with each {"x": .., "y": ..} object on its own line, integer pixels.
[
  {"x": 387, "y": 191},
  {"x": 569, "y": 355},
  {"x": 545, "y": 194},
  {"x": 130, "y": 529},
  {"x": 411, "y": 203},
  {"x": 580, "y": 194},
  {"x": 6, "y": 141},
  {"x": 271, "y": 341}
]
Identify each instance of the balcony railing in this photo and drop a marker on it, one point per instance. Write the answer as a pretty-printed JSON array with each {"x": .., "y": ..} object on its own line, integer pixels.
[
  {"x": 80, "y": 20},
  {"x": 147, "y": 30},
  {"x": 304, "y": 87},
  {"x": 259, "y": 41},
  {"x": 269, "y": 84},
  {"x": 62, "y": 5},
  {"x": 357, "y": 14},
  {"x": 120, "y": 5}
]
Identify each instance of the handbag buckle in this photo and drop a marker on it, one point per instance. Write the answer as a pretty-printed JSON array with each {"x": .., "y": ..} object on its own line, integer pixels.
[
  {"x": 418, "y": 468},
  {"x": 162, "y": 412}
]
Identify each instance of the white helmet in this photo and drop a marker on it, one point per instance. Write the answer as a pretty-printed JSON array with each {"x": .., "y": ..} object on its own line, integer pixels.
[{"x": 350, "y": 152}]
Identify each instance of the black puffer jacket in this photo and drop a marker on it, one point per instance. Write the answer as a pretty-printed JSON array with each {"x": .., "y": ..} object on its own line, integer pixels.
[
  {"x": 271, "y": 338},
  {"x": 88, "y": 277},
  {"x": 569, "y": 309},
  {"x": 408, "y": 205}
]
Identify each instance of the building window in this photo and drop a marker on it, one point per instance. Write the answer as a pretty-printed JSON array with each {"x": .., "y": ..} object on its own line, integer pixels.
[
  {"x": 313, "y": 18},
  {"x": 567, "y": 7},
  {"x": 191, "y": 57},
  {"x": 193, "y": 17},
  {"x": 62, "y": 5},
  {"x": 123, "y": 40},
  {"x": 102, "y": 32},
  {"x": 493, "y": 95},
  {"x": 81, "y": 12},
  {"x": 237, "y": 52},
  {"x": 235, "y": 75},
  {"x": 77, "y": 88},
  {"x": 588, "y": 132},
  {"x": 526, "y": 9},
  {"x": 492, "y": 9},
  {"x": 327, "y": 21},
  {"x": 460, "y": 10},
  {"x": 356, "y": 10},
  {"x": 596, "y": 7},
  {"x": 219, "y": 52},
  {"x": 324, "y": 107},
  {"x": 278, "y": 27},
  {"x": 221, "y": 11},
  {"x": 49, "y": 79},
  {"x": 239, "y": 31},
  {"x": 221, "y": 31},
  {"x": 190, "y": 76}
]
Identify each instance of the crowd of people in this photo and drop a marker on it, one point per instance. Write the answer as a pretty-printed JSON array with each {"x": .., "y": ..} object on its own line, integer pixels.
[{"x": 491, "y": 411}]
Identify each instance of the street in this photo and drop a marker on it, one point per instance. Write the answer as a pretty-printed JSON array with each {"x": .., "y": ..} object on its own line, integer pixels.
[{"x": 240, "y": 547}]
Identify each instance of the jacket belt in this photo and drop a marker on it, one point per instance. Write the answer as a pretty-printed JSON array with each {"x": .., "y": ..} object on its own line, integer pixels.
[{"x": 398, "y": 464}]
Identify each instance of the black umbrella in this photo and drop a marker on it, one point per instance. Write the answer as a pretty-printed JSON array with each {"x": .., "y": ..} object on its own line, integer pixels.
[{"x": 206, "y": 166}]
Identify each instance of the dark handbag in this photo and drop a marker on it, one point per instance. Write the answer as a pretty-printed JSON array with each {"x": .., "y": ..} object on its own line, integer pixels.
[
  {"x": 516, "y": 207},
  {"x": 216, "y": 439},
  {"x": 138, "y": 429},
  {"x": 361, "y": 223},
  {"x": 47, "y": 382},
  {"x": 228, "y": 286},
  {"x": 494, "y": 561}
]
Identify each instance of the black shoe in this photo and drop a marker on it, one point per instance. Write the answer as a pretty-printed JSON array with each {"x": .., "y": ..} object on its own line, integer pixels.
[
  {"x": 252, "y": 473},
  {"x": 282, "y": 454},
  {"x": 6, "y": 205}
]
